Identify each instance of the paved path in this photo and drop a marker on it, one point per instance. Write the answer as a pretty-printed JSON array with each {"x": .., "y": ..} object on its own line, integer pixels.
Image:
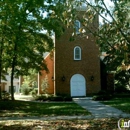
[{"x": 98, "y": 109}]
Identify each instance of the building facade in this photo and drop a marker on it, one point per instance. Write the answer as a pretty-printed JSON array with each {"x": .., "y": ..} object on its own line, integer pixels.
[
  {"x": 76, "y": 63},
  {"x": 77, "y": 66}
]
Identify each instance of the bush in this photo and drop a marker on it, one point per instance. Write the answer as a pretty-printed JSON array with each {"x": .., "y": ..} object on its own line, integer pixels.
[
  {"x": 102, "y": 95},
  {"x": 46, "y": 97},
  {"x": 121, "y": 89},
  {"x": 102, "y": 92},
  {"x": 34, "y": 92},
  {"x": 39, "y": 97},
  {"x": 67, "y": 98},
  {"x": 25, "y": 89},
  {"x": 57, "y": 98},
  {"x": 5, "y": 95}
]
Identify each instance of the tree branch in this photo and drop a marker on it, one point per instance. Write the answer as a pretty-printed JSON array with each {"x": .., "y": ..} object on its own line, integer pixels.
[
  {"x": 94, "y": 7},
  {"x": 115, "y": 20}
]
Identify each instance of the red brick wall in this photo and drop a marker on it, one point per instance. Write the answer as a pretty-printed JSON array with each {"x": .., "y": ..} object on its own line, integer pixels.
[
  {"x": 50, "y": 64},
  {"x": 65, "y": 65}
]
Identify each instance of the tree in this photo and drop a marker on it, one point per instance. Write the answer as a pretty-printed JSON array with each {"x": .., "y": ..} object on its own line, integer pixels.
[
  {"x": 22, "y": 23},
  {"x": 23, "y": 40},
  {"x": 112, "y": 34}
]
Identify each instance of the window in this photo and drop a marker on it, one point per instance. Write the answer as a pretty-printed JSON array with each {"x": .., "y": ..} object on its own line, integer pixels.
[
  {"x": 77, "y": 53},
  {"x": 77, "y": 26}
]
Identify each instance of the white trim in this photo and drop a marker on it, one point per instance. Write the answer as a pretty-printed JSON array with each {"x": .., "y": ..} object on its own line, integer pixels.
[
  {"x": 54, "y": 66},
  {"x": 38, "y": 83},
  {"x": 48, "y": 53},
  {"x": 77, "y": 47}
]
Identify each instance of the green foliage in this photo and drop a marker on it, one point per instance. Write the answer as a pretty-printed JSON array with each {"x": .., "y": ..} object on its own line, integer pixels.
[
  {"x": 102, "y": 95},
  {"x": 122, "y": 83},
  {"x": 29, "y": 84},
  {"x": 25, "y": 89},
  {"x": 46, "y": 97},
  {"x": 26, "y": 28},
  {"x": 31, "y": 78},
  {"x": 5, "y": 95},
  {"x": 34, "y": 92},
  {"x": 57, "y": 98},
  {"x": 121, "y": 89}
]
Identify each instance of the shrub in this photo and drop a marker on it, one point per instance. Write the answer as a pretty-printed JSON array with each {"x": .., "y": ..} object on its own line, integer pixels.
[
  {"x": 25, "y": 89},
  {"x": 102, "y": 92},
  {"x": 57, "y": 98},
  {"x": 121, "y": 89},
  {"x": 41, "y": 97},
  {"x": 102, "y": 95},
  {"x": 67, "y": 98},
  {"x": 5, "y": 95},
  {"x": 46, "y": 97},
  {"x": 34, "y": 92}
]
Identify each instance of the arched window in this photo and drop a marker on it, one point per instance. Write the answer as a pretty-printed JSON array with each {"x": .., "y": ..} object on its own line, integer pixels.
[
  {"x": 77, "y": 26},
  {"x": 77, "y": 53}
]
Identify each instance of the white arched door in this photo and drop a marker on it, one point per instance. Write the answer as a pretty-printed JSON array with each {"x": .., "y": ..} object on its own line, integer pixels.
[{"x": 78, "y": 85}]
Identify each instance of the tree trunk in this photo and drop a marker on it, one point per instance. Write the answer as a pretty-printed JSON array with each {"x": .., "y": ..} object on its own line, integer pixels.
[
  {"x": 0, "y": 90},
  {"x": 0, "y": 78},
  {"x": 1, "y": 51},
  {"x": 12, "y": 79},
  {"x": 12, "y": 72},
  {"x": 14, "y": 63}
]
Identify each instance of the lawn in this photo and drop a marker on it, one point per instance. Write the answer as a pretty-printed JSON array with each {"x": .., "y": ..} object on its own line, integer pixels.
[
  {"x": 120, "y": 103},
  {"x": 26, "y": 109},
  {"x": 95, "y": 124}
]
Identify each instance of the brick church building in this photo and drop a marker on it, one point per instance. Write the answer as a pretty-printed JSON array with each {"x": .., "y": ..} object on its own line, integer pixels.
[{"x": 74, "y": 68}]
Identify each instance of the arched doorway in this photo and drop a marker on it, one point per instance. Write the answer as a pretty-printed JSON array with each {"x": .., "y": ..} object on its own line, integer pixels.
[{"x": 78, "y": 85}]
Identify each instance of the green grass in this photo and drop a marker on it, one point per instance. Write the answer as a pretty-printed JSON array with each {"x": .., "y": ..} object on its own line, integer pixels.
[
  {"x": 120, "y": 103},
  {"x": 24, "y": 109}
]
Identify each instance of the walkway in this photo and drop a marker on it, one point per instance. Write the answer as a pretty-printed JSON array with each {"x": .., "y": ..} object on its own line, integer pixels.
[{"x": 98, "y": 109}]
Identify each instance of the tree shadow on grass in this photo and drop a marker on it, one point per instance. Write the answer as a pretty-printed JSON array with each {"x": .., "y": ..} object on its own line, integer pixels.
[{"x": 25, "y": 108}]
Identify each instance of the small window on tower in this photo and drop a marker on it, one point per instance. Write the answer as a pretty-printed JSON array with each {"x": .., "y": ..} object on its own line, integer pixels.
[
  {"x": 77, "y": 26},
  {"x": 77, "y": 53}
]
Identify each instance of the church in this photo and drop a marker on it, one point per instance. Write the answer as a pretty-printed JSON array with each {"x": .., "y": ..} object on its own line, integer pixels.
[{"x": 74, "y": 68}]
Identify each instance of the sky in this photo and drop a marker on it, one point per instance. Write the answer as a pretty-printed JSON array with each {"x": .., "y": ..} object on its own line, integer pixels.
[{"x": 109, "y": 5}]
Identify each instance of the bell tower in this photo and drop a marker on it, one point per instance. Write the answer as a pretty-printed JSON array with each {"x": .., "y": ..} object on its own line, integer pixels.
[{"x": 77, "y": 63}]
